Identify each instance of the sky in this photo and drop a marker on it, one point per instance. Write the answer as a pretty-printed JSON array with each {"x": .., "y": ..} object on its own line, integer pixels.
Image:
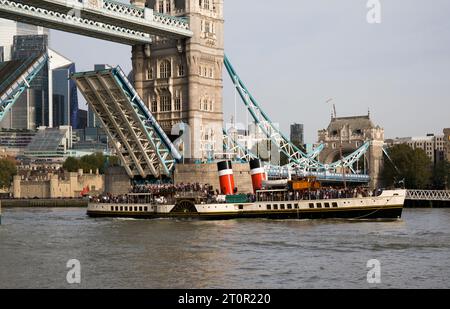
[{"x": 295, "y": 55}]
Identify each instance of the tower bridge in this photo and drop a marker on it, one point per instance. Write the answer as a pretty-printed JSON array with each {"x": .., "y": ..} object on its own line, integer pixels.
[
  {"x": 345, "y": 134},
  {"x": 178, "y": 60}
]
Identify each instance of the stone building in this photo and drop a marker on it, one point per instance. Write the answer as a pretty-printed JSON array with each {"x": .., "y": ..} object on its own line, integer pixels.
[
  {"x": 181, "y": 80},
  {"x": 432, "y": 145},
  {"x": 349, "y": 134},
  {"x": 51, "y": 185},
  {"x": 447, "y": 144},
  {"x": 117, "y": 181}
]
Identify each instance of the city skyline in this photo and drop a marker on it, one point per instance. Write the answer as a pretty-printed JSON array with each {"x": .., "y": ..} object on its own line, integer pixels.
[{"x": 396, "y": 69}]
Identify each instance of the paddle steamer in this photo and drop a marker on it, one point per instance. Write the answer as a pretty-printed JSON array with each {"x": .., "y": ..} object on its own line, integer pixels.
[{"x": 270, "y": 203}]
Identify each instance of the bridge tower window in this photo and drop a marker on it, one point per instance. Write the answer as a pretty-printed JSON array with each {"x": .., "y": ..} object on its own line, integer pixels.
[
  {"x": 150, "y": 74},
  {"x": 178, "y": 100},
  {"x": 165, "y": 69},
  {"x": 165, "y": 102},
  {"x": 154, "y": 106},
  {"x": 181, "y": 70},
  {"x": 164, "y": 6}
]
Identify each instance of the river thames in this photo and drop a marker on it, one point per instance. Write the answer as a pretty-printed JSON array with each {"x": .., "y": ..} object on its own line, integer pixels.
[{"x": 35, "y": 245}]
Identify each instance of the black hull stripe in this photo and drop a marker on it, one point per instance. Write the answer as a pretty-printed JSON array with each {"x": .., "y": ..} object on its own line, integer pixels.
[{"x": 368, "y": 213}]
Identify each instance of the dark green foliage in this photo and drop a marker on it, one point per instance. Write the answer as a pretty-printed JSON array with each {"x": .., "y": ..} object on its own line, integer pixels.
[
  {"x": 71, "y": 164},
  {"x": 414, "y": 168},
  {"x": 7, "y": 170},
  {"x": 90, "y": 162},
  {"x": 441, "y": 175}
]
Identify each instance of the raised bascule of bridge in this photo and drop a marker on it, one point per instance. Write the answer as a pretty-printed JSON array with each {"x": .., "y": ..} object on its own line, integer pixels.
[
  {"x": 178, "y": 60},
  {"x": 15, "y": 78}
]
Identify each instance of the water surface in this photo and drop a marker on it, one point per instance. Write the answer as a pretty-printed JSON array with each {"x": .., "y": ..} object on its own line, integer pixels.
[{"x": 35, "y": 245}]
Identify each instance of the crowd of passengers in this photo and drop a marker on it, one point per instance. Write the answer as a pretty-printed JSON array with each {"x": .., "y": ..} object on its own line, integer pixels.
[
  {"x": 166, "y": 189},
  {"x": 160, "y": 194},
  {"x": 324, "y": 193},
  {"x": 167, "y": 193}
]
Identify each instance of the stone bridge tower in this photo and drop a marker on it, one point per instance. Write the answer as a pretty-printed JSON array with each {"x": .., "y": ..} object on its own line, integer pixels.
[
  {"x": 352, "y": 133},
  {"x": 181, "y": 79}
]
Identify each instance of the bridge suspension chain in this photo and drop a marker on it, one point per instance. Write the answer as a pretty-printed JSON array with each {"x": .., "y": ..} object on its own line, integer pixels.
[
  {"x": 298, "y": 160},
  {"x": 296, "y": 157}
]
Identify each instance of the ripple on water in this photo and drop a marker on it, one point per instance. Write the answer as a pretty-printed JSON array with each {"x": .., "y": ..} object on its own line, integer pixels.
[{"x": 169, "y": 253}]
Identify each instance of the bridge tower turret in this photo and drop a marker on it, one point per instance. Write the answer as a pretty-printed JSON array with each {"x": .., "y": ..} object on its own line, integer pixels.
[
  {"x": 346, "y": 134},
  {"x": 181, "y": 79}
]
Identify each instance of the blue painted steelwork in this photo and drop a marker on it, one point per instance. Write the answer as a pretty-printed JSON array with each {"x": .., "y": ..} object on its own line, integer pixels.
[
  {"x": 276, "y": 172},
  {"x": 244, "y": 155},
  {"x": 299, "y": 162},
  {"x": 316, "y": 152},
  {"x": 348, "y": 161},
  {"x": 146, "y": 116},
  {"x": 19, "y": 81},
  {"x": 102, "y": 19},
  {"x": 294, "y": 154},
  {"x": 233, "y": 146},
  {"x": 144, "y": 149}
]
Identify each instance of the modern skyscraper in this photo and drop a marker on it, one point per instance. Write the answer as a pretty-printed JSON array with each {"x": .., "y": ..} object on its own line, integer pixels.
[
  {"x": 297, "y": 134},
  {"x": 9, "y": 29},
  {"x": 36, "y": 106},
  {"x": 65, "y": 96},
  {"x": 26, "y": 46},
  {"x": 92, "y": 120},
  {"x": 82, "y": 118},
  {"x": 20, "y": 115},
  {"x": 181, "y": 80}
]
